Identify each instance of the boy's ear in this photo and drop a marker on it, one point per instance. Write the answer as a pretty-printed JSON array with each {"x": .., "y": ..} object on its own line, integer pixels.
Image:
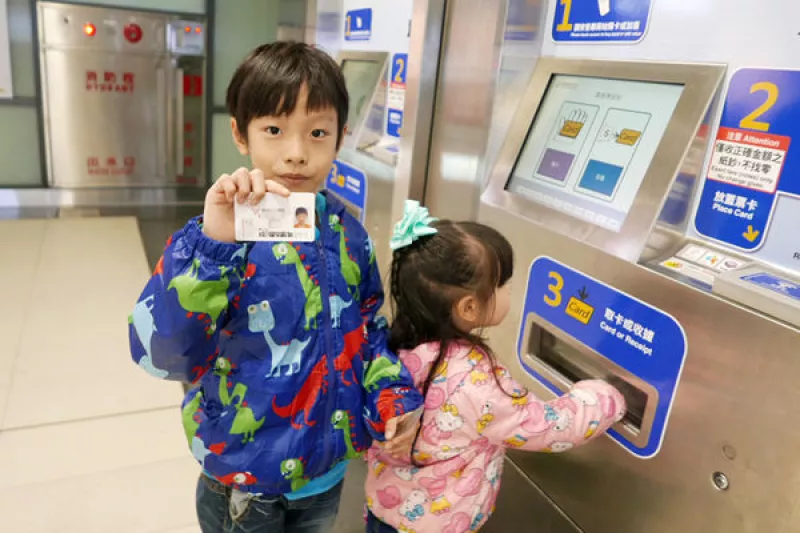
[
  {"x": 341, "y": 137},
  {"x": 238, "y": 139}
]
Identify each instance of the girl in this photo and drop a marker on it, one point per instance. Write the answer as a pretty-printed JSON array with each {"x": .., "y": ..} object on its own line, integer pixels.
[{"x": 449, "y": 280}]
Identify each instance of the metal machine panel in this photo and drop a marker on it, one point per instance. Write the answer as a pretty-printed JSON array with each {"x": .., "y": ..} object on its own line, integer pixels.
[
  {"x": 124, "y": 106},
  {"x": 700, "y": 83},
  {"x": 88, "y": 98},
  {"x": 726, "y": 460},
  {"x": 712, "y": 469},
  {"x": 714, "y": 472}
]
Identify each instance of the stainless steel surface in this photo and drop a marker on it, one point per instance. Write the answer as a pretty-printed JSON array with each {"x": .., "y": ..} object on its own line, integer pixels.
[
  {"x": 776, "y": 301},
  {"x": 726, "y": 463},
  {"x": 701, "y": 83},
  {"x": 111, "y": 101},
  {"x": 421, "y": 83},
  {"x": 737, "y": 392},
  {"x": 380, "y": 187},
  {"x": 471, "y": 46}
]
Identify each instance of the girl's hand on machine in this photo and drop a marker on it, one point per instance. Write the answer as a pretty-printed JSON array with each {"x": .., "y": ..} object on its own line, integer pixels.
[{"x": 242, "y": 186}]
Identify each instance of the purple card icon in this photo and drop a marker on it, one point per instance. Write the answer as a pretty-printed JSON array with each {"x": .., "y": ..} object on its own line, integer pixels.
[{"x": 555, "y": 164}]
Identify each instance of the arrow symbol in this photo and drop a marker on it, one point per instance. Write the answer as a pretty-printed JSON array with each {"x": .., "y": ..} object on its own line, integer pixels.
[
  {"x": 583, "y": 294},
  {"x": 751, "y": 234}
]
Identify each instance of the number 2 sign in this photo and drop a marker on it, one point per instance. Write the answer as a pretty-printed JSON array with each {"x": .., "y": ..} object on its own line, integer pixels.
[{"x": 752, "y": 162}]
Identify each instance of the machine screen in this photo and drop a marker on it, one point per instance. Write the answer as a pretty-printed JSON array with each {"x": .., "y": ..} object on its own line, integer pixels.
[
  {"x": 361, "y": 78},
  {"x": 590, "y": 145}
]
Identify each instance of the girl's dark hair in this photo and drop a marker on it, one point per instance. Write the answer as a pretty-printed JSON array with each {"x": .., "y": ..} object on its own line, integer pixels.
[{"x": 432, "y": 274}]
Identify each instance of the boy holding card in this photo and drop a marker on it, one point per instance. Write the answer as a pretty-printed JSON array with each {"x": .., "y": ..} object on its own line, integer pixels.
[{"x": 292, "y": 371}]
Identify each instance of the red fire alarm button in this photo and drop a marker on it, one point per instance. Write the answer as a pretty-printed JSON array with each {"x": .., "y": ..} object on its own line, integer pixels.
[{"x": 133, "y": 32}]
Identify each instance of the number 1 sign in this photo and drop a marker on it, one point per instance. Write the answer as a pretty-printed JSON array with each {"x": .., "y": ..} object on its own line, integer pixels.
[{"x": 601, "y": 20}]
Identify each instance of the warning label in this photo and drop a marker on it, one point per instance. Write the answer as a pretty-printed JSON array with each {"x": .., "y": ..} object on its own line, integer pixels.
[{"x": 750, "y": 160}]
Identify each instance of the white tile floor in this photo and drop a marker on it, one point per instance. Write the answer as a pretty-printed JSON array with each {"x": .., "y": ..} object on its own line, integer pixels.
[{"x": 88, "y": 442}]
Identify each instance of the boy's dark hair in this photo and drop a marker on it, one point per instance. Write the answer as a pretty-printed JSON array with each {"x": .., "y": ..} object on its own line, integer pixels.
[
  {"x": 431, "y": 275},
  {"x": 268, "y": 82},
  {"x": 301, "y": 211}
]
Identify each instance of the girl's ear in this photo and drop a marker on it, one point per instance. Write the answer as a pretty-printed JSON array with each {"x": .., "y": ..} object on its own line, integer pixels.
[{"x": 467, "y": 312}]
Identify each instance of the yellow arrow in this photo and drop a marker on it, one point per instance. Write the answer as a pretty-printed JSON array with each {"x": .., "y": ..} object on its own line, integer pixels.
[{"x": 751, "y": 234}]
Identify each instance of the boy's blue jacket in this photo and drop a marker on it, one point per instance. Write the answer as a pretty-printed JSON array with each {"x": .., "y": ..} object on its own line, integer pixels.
[{"x": 292, "y": 366}]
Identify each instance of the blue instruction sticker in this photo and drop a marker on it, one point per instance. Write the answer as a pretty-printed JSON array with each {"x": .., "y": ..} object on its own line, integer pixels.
[
  {"x": 601, "y": 20},
  {"x": 775, "y": 284},
  {"x": 752, "y": 163},
  {"x": 350, "y": 185},
  {"x": 645, "y": 341},
  {"x": 396, "y": 98},
  {"x": 394, "y": 122},
  {"x": 358, "y": 25}
]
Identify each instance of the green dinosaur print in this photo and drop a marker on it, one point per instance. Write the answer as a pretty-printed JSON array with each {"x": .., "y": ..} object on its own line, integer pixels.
[
  {"x": 223, "y": 369},
  {"x": 341, "y": 421},
  {"x": 293, "y": 470},
  {"x": 287, "y": 255},
  {"x": 244, "y": 422},
  {"x": 201, "y": 297},
  {"x": 190, "y": 425},
  {"x": 381, "y": 367},
  {"x": 350, "y": 270}
]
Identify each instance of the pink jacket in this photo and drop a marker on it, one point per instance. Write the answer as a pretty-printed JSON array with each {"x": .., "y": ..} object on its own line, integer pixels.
[{"x": 467, "y": 424}]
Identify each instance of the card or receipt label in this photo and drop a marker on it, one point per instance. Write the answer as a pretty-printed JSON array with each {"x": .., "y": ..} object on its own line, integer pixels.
[{"x": 277, "y": 218}]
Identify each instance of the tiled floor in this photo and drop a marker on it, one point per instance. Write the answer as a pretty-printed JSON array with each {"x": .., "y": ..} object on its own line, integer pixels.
[{"x": 88, "y": 442}]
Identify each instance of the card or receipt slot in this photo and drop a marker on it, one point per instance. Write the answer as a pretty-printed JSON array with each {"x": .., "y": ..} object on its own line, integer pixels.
[{"x": 277, "y": 218}]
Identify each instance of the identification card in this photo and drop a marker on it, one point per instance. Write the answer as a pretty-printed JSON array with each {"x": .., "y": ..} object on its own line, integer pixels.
[{"x": 277, "y": 218}]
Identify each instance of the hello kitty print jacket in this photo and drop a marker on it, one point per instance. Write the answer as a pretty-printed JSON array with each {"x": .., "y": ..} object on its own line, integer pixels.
[{"x": 467, "y": 424}]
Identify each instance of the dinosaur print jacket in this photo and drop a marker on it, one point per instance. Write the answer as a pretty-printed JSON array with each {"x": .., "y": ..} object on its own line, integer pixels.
[{"x": 291, "y": 365}]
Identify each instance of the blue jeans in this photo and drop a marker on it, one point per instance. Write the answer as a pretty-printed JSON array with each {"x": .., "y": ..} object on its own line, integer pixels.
[
  {"x": 376, "y": 526},
  {"x": 222, "y": 510}
]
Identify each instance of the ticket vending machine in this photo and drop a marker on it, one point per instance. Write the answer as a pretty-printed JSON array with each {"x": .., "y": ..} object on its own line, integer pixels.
[
  {"x": 360, "y": 176},
  {"x": 612, "y": 284}
]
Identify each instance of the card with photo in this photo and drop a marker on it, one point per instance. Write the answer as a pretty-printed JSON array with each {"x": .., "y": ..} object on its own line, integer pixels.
[{"x": 277, "y": 218}]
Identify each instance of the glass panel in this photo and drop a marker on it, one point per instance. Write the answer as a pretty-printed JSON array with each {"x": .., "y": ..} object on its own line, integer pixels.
[
  {"x": 19, "y": 147},
  {"x": 238, "y": 31},
  {"x": 225, "y": 158},
  {"x": 20, "y": 30},
  {"x": 179, "y": 6}
]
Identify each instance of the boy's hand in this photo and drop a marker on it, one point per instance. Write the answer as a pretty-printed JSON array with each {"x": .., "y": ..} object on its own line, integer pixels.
[
  {"x": 241, "y": 186},
  {"x": 401, "y": 432}
]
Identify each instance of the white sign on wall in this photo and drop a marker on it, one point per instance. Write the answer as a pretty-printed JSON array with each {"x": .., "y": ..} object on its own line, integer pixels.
[{"x": 5, "y": 53}]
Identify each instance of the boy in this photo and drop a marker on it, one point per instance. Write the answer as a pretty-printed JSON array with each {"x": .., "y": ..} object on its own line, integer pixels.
[
  {"x": 301, "y": 218},
  {"x": 293, "y": 372}
]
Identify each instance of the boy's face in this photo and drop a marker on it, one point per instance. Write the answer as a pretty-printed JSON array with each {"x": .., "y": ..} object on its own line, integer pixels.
[
  {"x": 296, "y": 150},
  {"x": 302, "y": 218}
]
